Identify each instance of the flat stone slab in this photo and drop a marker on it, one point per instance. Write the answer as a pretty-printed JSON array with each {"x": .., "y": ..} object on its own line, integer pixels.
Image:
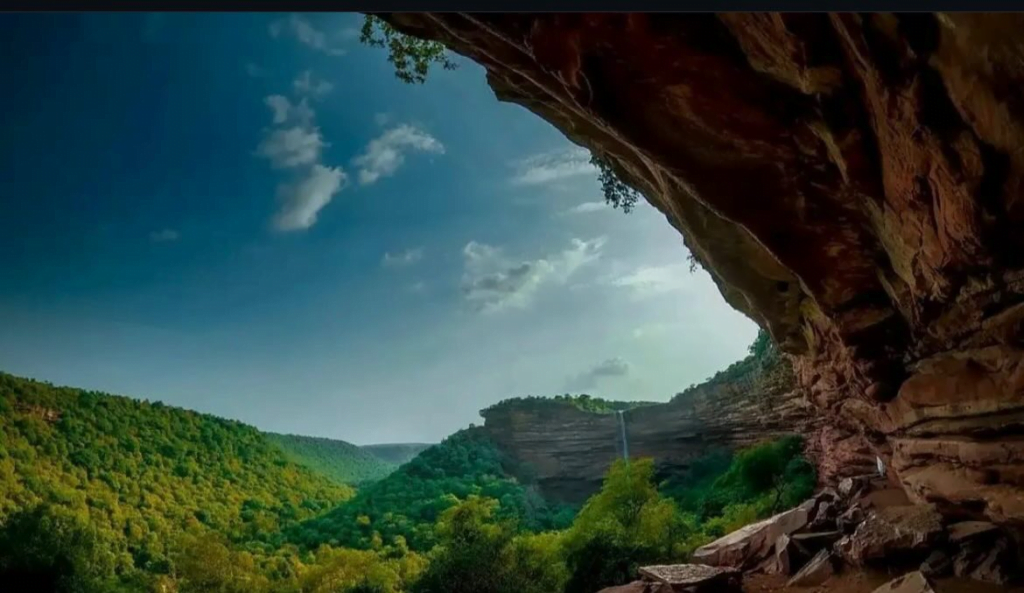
[
  {"x": 965, "y": 530},
  {"x": 692, "y": 577},
  {"x": 914, "y": 582}
]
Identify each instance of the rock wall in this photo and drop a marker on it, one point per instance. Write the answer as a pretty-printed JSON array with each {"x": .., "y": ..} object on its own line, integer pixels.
[
  {"x": 853, "y": 184},
  {"x": 568, "y": 450}
]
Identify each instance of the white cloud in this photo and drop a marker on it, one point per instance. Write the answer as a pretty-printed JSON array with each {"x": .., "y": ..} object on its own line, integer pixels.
[
  {"x": 386, "y": 153},
  {"x": 305, "y": 84},
  {"x": 302, "y": 201},
  {"x": 401, "y": 259},
  {"x": 255, "y": 70},
  {"x": 654, "y": 280},
  {"x": 611, "y": 368},
  {"x": 553, "y": 166},
  {"x": 292, "y": 147},
  {"x": 381, "y": 119},
  {"x": 491, "y": 282},
  {"x": 304, "y": 31},
  {"x": 284, "y": 110},
  {"x": 587, "y": 207},
  {"x": 164, "y": 235}
]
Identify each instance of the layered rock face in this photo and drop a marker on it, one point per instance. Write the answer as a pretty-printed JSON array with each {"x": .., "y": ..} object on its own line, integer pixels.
[
  {"x": 567, "y": 450},
  {"x": 853, "y": 183}
]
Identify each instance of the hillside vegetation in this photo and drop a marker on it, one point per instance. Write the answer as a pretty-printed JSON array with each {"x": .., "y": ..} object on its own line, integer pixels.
[
  {"x": 583, "y": 401},
  {"x": 139, "y": 477},
  {"x": 341, "y": 461}
]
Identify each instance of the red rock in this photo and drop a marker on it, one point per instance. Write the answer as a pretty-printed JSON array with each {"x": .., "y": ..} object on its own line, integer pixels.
[
  {"x": 914, "y": 582},
  {"x": 852, "y": 182}
]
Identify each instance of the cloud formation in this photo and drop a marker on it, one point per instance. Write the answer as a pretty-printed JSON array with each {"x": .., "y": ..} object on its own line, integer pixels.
[
  {"x": 303, "y": 199},
  {"x": 648, "y": 281},
  {"x": 611, "y": 368},
  {"x": 305, "y": 33},
  {"x": 491, "y": 282},
  {"x": 587, "y": 207},
  {"x": 403, "y": 258},
  {"x": 164, "y": 236},
  {"x": 294, "y": 143},
  {"x": 553, "y": 166},
  {"x": 309, "y": 86},
  {"x": 254, "y": 70},
  {"x": 286, "y": 148},
  {"x": 386, "y": 153}
]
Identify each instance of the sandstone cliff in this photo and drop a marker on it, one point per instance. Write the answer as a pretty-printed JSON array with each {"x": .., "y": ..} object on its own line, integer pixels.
[
  {"x": 853, "y": 184},
  {"x": 567, "y": 450}
]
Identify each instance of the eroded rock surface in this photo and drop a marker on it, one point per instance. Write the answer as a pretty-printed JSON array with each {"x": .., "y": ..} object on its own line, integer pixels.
[
  {"x": 852, "y": 182},
  {"x": 567, "y": 451}
]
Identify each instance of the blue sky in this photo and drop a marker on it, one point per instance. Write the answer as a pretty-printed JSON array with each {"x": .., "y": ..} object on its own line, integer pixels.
[{"x": 249, "y": 215}]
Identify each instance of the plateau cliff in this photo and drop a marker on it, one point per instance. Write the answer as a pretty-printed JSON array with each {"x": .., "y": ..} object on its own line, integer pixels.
[
  {"x": 852, "y": 182},
  {"x": 567, "y": 451}
]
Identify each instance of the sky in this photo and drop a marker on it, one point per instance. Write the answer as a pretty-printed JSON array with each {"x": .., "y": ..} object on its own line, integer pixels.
[{"x": 249, "y": 215}]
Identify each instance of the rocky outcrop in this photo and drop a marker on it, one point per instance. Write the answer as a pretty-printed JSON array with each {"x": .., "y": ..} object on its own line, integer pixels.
[
  {"x": 852, "y": 182},
  {"x": 567, "y": 451}
]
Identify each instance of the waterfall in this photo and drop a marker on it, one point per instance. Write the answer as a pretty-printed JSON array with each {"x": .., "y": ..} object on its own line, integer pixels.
[{"x": 622, "y": 432}]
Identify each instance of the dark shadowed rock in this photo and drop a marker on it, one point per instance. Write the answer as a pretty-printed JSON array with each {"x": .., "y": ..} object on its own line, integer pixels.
[
  {"x": 818, "y": 570},
  {"x": 937, "y": 564},
  {"x": 914, "y": 582},
  {"x": 849, "y": 519},
  {"x": 986, "y": 561},
  {"x": 968, "y": 530}
]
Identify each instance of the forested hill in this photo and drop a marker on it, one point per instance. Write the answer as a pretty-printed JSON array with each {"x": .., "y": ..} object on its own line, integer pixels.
[
  {"x": 397, "y": 453},
  {"x": 339, "y": 460},
  {"x": 409, "y": 502},
  {"x": 143, "y": 474}
]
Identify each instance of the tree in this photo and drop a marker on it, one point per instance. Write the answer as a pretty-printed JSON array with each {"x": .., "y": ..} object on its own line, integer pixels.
[
  {"x": 411, "y": 57},
  {"x": 625, "y": 524}
]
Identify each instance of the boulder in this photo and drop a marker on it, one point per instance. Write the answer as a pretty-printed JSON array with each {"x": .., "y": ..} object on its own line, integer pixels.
[
  {"x": 634, "y": 587},
  {"x": 746, "y": 547},
  {"x": 914, "y": 582},
  {"x": 692, "y": 578},
  {"x": 815, "y": 572},
  {"x": 896, "y": 531},
  {"x": 824, "y": 516},
  {"x": 781, "y": 563},
  {"x": 938, "y": 564},
  {"x": 851, "y": 487}
]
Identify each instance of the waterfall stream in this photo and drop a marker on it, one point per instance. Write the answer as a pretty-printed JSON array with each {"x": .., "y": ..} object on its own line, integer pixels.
[{"x": 622, "y": 432}]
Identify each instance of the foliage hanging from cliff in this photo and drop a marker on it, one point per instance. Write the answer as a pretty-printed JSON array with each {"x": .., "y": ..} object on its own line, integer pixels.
[
  {"x": 616, "y": 193},
  {"x": 411, "y": 57},
  {"x": 757, "y": 370}
]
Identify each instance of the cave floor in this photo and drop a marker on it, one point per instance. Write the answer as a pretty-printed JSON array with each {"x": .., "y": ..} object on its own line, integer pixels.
[{"x": 863, "y": 582}]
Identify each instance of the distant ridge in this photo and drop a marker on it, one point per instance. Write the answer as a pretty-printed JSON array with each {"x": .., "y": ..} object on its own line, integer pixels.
[
  {"x": 339, "y": 460},
  {"x": 397, "y": 453}
]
